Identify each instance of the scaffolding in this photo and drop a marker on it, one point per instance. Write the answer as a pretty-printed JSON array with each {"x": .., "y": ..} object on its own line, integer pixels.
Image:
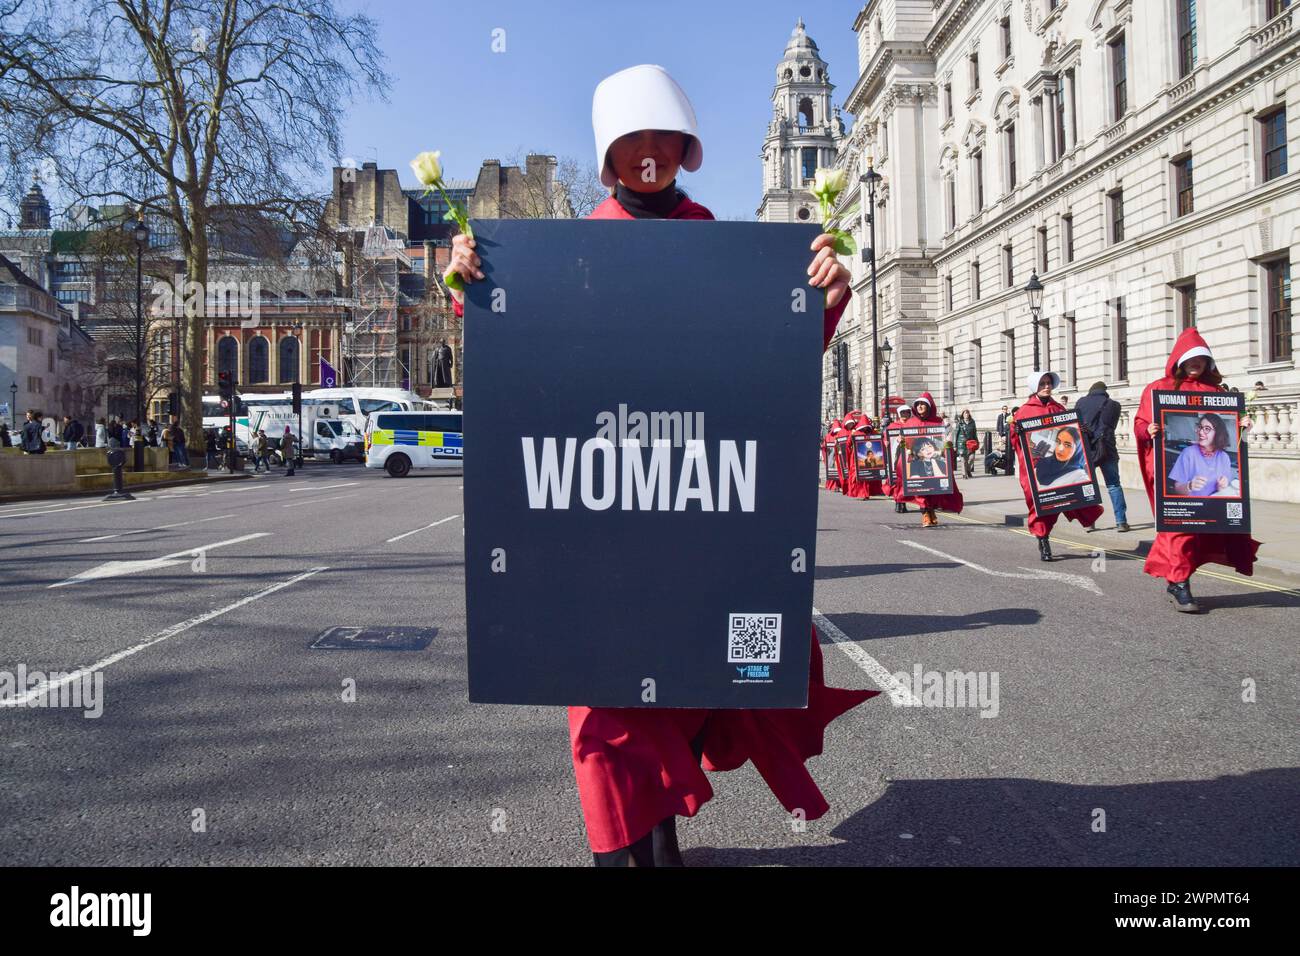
[{"x": 372, "y": 334}]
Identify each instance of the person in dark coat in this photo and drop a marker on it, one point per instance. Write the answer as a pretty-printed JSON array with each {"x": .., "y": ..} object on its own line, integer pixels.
[
  {"x": 6, "y": 440},
  {"x": 1098, "y": 416},
  {"x": 967, "y": 441},
  {"x": 32, "y": 440}
]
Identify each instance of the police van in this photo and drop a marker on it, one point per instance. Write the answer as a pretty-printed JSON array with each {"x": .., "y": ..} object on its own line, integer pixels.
[{"x": 400, "y": 441}]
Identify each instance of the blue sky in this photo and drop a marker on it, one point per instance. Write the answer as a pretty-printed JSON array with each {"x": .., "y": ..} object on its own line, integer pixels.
[{"x": 452, "y": 93}]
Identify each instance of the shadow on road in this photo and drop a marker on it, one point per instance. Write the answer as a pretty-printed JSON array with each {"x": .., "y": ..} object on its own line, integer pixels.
[
  {"x": 864, "y": 627},
  {"x": 836, "y": 572},
  {"x": 1235, "y": 820}
]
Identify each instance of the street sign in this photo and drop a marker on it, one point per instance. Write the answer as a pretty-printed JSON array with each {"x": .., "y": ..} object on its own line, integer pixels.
[{"x": 640, "y": 530}]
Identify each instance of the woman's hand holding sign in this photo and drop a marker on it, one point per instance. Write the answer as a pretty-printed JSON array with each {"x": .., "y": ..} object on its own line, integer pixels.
[{"x": 826, "y": 270}]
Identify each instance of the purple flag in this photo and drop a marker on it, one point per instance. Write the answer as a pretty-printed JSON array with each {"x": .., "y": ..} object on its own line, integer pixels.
[{"x": 328, "y": 377}]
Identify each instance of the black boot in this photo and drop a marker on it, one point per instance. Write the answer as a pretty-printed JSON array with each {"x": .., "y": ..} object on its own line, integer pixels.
[
  {"x": 1180, "y": 592},
  {"x": 640, "y": 853},
  {"x": 1044, "y": 549}
]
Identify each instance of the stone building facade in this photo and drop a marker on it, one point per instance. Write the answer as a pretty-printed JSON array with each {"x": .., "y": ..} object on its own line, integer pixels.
[{"x": 1133, "y": 154}]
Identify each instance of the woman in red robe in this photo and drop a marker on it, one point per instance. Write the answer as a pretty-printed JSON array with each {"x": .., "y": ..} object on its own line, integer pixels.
[
  {"x": 637, "y": 769},
  {"x": 1173, "y": 556},
  {"x": 828, "y": 455},
  {"x": 923, "y": 413},
  {"x": 1040, "y": 403},
  {"x": 861, "y": 487}
]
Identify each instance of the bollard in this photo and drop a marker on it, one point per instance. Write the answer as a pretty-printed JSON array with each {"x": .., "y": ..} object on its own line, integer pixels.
[{"x": 116, "y": 459}]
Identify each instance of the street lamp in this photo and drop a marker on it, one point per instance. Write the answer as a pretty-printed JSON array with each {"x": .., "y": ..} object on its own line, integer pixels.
[
  {"x": 886, "y": 351},
  {"x": 1034, "y": 293},
  {"x": 140, "y": 233},
  {"x": 13, "y": 404},
  {"x": 871, "y": 179}
]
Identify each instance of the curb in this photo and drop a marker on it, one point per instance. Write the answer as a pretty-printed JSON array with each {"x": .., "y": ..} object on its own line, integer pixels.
[{"x": 149, "y": 486}]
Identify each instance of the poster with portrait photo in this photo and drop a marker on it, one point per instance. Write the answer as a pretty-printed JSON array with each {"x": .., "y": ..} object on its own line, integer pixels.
[
  {"x": 869, "y": 456},
  {"x": 1060, "y": 472},
  {"x": 1201, "y": 468},
  {"x": 927, "y": 464},
  {"x": 892, "y": 466},
  {"x": 842, "y": 456}
]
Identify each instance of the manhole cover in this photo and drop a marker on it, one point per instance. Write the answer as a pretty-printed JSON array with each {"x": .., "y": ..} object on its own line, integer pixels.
[{"x": 374, "y": 638}]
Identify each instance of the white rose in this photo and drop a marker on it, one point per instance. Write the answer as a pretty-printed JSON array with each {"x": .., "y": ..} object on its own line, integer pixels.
[
  {"x": 829, "y": 182},
  {"x": 427, "y": 168}
]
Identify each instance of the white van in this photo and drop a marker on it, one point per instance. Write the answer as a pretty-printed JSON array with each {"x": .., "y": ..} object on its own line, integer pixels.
[{"x": 400, "y": 441}]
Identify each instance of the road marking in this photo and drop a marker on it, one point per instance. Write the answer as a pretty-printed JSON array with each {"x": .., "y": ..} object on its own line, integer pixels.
[
  {"x": 1074, "y": 580},
  {"x": 178, "y": 524},
  {"x": 114, "y": 569},
  {"x": 313, "y": 501},
  {"x": 347, "y": 484},
  {"x": 156, "y": 639},
  {"x": 407, "y": 534},
  {"x": 1232, "y": 578},
  {"x": 898, "y": 692},
  {"x": 50, "y": 511}
]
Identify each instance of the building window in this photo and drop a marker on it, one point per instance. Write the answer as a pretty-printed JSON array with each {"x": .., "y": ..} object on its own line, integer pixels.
[
  {"x": 319, "y": 340},
  {"x": 974, "y": 72},
  {"x": 1009, "y": 357},
  {"x": 1071, "y": 367},
  {"x": 228, "y": 357},
  {"x": 1276, "y": 7},
  {"x": 1005, "y": 26},
  {"x": 50, "y": 356},
  {"x": 1186, "y": 301},
  {"x": 977, "y": 175},
  {"x": 1069, "y": 82},
  {"x": 947, "y": 101},
  {"x": 1119, "y": 76},
  {"x": 1279, "y": 310},
  {"x": 1186, "y": 36},
  {"x": 1116, "y": 203},
  {"x": 977, "y": 368},
  {"x": 949, "y": 373},
  {"x": 1067, "y": 237},
  {"x": 808, "y": 162},
  {"x": 947, "y": 292},
  {"x": 1009, "y": 143},
  {"x": 975, "y": 281},
  {"x": 1008, "y": 268},
  {"x": 35, "y": 385},
  {"x": 259, "y": 361},
  {"x": 950, "y": 200},
  {"x": 1273, "y": 130},
  {"x": 1042, "y": 249},
  {"x": 1121, "y": 341},
  {"x": 1183, "y": 186},
  {"x": 34, "y": 336},
  {"x": 289, "y": 352}
]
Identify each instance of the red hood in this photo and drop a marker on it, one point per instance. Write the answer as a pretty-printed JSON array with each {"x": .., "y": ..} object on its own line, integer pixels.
[
  {"x": 926, "y": 397},
  {"x": 1189, "y": 344}
]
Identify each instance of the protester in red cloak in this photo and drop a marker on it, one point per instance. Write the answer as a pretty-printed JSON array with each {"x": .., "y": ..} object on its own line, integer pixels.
[
  {"x": 894, "y": 420},
  {"x": 873, "y": 486},
  {"x": 844, "y": 446},
  {"x": 1175, "y": 557},
  {"x": 638, "y": 768},
  {"x": 1041, "y": 403},
  {"x": 923, "y": 413},
  {"x": 828, "y": 446},
  {"x": 861, "y": 487}
]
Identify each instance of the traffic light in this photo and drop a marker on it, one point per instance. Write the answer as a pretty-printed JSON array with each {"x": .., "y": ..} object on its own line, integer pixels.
[
  {"x": 297, "y": 398},
  {"x": 226, "y": 390}
]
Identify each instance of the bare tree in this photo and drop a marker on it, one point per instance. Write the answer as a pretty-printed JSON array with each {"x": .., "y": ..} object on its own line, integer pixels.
[
  {"x": 197, "y": 112},
  {"x": 565, "y": 190}
]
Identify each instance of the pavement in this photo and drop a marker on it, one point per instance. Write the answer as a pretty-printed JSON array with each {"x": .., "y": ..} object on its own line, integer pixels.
[{"x": 1113, "y": 730}]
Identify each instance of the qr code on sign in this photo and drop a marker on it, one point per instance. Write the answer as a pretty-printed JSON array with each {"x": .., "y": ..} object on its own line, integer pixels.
[
  {"x": 1234, "y": 509},
  {"x": 754, "y": 639}
]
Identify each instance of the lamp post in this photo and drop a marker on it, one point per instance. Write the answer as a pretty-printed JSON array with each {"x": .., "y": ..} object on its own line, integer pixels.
[
  {"x": 886, "y": 351},
  {"x": 1034, "y": 293},
  {"x": 140, "y": 233},
  {"x": 13, "y": 404},
  {"x": 871, "y": 179}
]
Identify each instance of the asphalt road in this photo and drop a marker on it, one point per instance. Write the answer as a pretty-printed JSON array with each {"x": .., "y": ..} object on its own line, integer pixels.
[{"x": 1120, "y": 733}]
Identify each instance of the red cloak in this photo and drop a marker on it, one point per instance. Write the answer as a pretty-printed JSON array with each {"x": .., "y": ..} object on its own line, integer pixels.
[
  {"x": 1174, "y": 556},
  {"x": 1040, "y": 526}
]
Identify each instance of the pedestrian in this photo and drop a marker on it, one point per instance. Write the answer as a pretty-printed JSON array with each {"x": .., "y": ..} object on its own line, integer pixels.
[
  {"x": 924, "y": 413},
  {"x": 894, "y": 419},
  {"x": 872, "y": 486},
  {"x": 637, "y": 769},
  {"x": 853, "y": 488},
  {"x": 6, "y": 440},
  {"x": 1098, "y": 417},
  {"x": 967, "y": 441},
  {"x": 1038, "y": 404},
  {"x": 179, "y": 455},
  {"x": 261, "y": 452},
  {"x": 33, "y": 440},
  {"x": 1261, "y": 387},
  {"x": 286, "y": 450},
  {"x": 68, "y": 434},
  {"x": 1003, "y": 418},
  {"x": 152, "y": 433},
  {"x": 211, "y": 447},
  {"x": 1065, "y": 402},
  {"x": 101, "y": 433},
  {"x": 1173, "y": 556}
]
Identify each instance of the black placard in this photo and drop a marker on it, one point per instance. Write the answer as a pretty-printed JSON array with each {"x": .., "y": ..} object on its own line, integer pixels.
[
  {"x": 925, "y": 463},
  {"x": 1201, "y": 463},
  {"x": 597, "y": 591},
  {"x": 1059, "y": 469},
  {"x": 869, "y": 456}
]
